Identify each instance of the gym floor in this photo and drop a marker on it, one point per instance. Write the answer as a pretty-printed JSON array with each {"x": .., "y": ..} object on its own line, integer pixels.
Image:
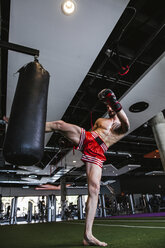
[{"x": 125, "y": 233}]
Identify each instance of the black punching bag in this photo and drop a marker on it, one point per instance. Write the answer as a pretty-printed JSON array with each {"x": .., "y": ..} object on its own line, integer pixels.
[{"x": 24, "y": 141}]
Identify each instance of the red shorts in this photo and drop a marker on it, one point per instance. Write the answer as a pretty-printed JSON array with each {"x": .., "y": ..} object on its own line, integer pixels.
[{"x": 93, "y": 152}]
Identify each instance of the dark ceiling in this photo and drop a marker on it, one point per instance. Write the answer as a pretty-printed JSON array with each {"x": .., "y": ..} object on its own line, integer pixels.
[{"x": 137, "y": 40}]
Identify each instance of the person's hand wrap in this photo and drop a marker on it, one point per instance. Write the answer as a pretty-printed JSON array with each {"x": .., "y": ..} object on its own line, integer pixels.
[{"x": 108, "y": 97}]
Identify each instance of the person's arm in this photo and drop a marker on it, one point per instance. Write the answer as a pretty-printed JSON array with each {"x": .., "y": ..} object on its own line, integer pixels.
[
  {"x": 108, "y": 97},
  {"x": 123, "y": 126}
]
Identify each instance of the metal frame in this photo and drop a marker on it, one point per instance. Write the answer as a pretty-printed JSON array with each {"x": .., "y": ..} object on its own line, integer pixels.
[{"x": 19, "y": 48}]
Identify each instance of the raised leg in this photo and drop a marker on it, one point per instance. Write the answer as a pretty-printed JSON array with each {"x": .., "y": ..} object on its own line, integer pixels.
[
  {"x": 70, "y": 131},
  {"x": 93, "y": 176}
]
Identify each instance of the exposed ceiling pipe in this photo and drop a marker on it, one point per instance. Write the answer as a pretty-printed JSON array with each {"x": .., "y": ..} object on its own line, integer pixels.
[
  {"x": 123, "y": 154},
  {"x": 102, "y": 64},
  {"x": 110, "y": 79},
  {"x": 51, "y": 149},
  {"x": 146, "y": 44},
  {"x": 139, "y": 138},
  {"x": 130, "y": 58},
  {"x": 137, "y": 143}
]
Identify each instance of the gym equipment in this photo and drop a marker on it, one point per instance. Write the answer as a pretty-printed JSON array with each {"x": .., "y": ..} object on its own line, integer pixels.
[{"x": 24, "y": 141}]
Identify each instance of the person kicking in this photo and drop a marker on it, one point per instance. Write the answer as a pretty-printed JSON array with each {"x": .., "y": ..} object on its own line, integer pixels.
[{"x": 93, "y": 144}]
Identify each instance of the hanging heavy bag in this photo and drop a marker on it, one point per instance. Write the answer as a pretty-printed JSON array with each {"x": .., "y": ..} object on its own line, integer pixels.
[{"x": 24, "y": 141}]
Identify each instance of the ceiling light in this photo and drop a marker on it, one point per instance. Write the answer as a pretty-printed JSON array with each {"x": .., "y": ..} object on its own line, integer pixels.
[
  {"x": 32, "y": 176},
  {"x": 138, "y": 107},
  {"x": 155, "y": 173},
  {"x": 134, "y": 165},
  {"x": 74, "y": 161},
  {"x": 25, "y": 187},
  {"x": 68, "y": 7}
]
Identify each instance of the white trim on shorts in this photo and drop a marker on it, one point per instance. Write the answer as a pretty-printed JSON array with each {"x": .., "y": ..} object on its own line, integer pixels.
[
  {"x": 93, "y": 160},
  {"x": 88, "y": 158},
  {"x": 81, "y": 141}
]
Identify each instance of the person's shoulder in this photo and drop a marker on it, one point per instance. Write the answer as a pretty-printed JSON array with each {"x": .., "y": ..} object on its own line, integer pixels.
[{"x": 100, "y": 119}]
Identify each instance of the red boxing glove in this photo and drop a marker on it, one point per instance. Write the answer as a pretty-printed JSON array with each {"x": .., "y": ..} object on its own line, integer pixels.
[{"x": 108, "y": 97}]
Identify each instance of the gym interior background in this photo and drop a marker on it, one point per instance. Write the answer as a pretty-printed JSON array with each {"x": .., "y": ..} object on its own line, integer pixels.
[{"x": 105, "y": 44}]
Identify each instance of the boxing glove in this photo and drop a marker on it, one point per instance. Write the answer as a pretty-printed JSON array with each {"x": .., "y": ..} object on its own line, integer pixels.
[{"x": 108, "y": 97}]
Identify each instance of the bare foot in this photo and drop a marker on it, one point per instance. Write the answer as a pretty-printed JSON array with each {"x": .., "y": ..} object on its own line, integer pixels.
[{"x": 93, "y": 242}]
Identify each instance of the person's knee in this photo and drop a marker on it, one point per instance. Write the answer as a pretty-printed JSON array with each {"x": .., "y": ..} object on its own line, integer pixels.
[
  {"x": 94, "y": 188},
  {"x": 59, "y": 125}
]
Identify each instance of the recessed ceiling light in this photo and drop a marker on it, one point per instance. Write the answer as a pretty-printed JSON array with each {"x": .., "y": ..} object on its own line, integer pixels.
[
  {"x": 32, "y": 176},
  {"x": 138, "y": 107},
  {"x": 74, "y": 161},
  {"x": 68, "y": 7}
]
